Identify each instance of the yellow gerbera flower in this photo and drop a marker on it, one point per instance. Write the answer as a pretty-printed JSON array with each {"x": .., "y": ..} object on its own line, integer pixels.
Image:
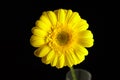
[{"x": 61, "y": 37}]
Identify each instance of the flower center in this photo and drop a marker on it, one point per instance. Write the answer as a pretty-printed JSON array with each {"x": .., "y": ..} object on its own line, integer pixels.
[{"x": 63, "y": 38}]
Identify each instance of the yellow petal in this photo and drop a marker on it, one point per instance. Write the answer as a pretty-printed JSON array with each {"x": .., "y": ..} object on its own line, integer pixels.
[
  {"x": 80, "y": 49},
  {"x": 52, "y": 17},
  {"x": 85, "y": 34},
  {"x": 44, "y": 60},
  {"x": 37, "y": 52},
  {"x": 86, "y": 42},
  {"x": 56, "y": 11},
  {"x": 42, "y": 25},
  {"x": 50, "y": 55},
  {"x": 55, "y": 60},
  {"x": 69, "y": 60},
  {"x": 74, "y": 19},
  {"x": 86, "y": 38},
  {"x": 61, "y": 61},
  {"x": 61, "y": 15},
  {"x": 37, "y": 31},
  {"x": 45, "y": 19},
  {"x": 44, "y": 51},
  {"x": 65, "y": 11},
  {"x": 74, "y": 57},
  {"x": 82, "y": 25},
  {"x": 36, "y": 41},
  {"x": 80, "y": 57},
  {"x": 68, "y": 15}
]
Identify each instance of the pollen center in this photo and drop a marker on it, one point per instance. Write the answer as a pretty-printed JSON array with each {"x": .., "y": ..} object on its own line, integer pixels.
[{"x": 63, "y": 38}]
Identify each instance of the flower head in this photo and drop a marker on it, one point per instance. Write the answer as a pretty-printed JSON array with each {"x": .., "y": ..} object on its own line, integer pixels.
[{"x": 61, "y": 38}]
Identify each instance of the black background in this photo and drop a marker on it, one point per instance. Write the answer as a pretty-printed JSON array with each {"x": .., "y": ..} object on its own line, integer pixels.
[{"x": 27, "y": 66}]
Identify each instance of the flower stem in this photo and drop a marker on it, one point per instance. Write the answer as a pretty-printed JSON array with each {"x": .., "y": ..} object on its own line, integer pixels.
[{"x": 73, "y": 73}]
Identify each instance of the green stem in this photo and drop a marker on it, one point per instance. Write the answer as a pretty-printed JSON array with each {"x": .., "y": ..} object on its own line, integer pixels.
[{"x": 73, "y": 73}]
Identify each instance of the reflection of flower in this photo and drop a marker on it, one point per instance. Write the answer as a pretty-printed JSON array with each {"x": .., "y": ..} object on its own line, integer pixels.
[{"x": 61, "y": 37}]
